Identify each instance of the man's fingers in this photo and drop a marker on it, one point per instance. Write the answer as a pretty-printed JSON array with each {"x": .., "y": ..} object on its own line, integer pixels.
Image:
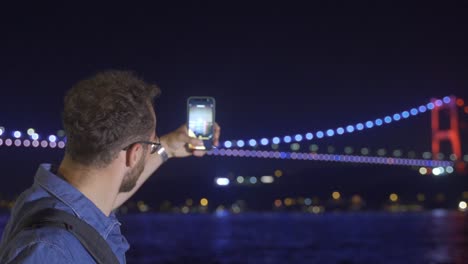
[
  {"x": 217, "y": 132},
  {"x": 199, "y": 153},
  {"x": 195, "y": 142}
]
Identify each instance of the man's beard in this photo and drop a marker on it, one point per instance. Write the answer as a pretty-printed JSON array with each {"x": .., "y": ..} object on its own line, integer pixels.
[{"x": 130, "y": 179}]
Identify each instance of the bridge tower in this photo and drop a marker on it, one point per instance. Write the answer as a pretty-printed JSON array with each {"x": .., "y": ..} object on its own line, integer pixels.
[{"x": 451, "y": 134}]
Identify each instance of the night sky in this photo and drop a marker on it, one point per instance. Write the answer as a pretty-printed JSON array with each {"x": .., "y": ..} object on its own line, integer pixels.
[{"x": 274, "y": 69}]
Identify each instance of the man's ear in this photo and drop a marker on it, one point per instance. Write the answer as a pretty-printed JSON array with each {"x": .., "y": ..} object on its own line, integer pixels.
[{"x": 133, "y": 155}]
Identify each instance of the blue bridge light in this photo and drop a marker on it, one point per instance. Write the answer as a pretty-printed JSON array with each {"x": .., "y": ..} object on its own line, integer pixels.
[
  {"x": 319, "y": 134},
  {"x": 298, "y": 138}
]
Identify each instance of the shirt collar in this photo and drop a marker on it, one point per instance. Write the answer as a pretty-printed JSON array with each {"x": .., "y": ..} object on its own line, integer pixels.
[{"x": 83, "y": 208}]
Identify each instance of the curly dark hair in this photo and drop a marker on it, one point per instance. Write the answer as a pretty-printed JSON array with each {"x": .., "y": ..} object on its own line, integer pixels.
[{"x": 105, "y": 113}]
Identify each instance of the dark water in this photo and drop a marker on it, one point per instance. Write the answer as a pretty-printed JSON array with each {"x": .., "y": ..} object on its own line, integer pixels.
[{"x": 432, "y": 237}]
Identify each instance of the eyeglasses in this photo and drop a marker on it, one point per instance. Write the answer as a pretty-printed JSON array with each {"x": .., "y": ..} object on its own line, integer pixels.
[{"x": 154, "y": 145}]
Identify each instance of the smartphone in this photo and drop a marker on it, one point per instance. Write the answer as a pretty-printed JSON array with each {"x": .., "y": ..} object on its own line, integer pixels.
[{"x": 201, "y": 120}]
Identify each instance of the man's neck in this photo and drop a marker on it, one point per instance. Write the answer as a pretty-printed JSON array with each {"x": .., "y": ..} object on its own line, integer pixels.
[{"x": 98, "y": 185}]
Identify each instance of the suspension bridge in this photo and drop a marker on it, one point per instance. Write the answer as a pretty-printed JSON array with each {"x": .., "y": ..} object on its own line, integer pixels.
[{"x": 432, "y": 162}]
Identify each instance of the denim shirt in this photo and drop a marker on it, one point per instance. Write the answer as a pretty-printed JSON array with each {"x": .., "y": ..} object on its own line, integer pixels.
[{"x": 56, "y": 245}]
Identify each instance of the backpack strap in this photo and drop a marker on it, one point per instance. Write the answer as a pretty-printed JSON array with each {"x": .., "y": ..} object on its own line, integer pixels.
[{"x": 91, "y": 240}]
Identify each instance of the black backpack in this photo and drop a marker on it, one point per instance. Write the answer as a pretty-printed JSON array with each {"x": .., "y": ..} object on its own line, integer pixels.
[{"x": 91, "y": 240}]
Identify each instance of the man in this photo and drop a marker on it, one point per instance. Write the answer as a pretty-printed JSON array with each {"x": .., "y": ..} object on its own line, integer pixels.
[{"x": 112, "y": 149}]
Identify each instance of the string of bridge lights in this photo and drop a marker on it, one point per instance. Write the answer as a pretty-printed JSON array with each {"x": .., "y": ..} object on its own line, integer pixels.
[
  {"x": 333, "y": 158},
  {"x": 320, "y": 134},
  {"x": 33, "y": 139}
]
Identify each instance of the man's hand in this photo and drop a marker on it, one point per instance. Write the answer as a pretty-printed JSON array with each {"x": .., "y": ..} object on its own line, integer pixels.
[{"x": 176, "y": 142}]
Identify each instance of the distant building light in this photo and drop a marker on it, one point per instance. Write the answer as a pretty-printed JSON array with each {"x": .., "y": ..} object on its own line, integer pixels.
[
  {"x": 204, "y": 202},
  {"x": 423, "y": 171},
  {"x": 348, "y": 150},
  {"x": 462, "y": 206},
  {"x": 278, "y": 203},
  {"x": 453, "y": 157},
  {"x": 240, "y": 179},
  {"x": 336, "y": 195},
  {"x": 222, "y": 181},
  {"x": 31, "y": 131},
  {"x": 421, "y": 197},
  {"x": 267, "y": 179},
  {"x": 393, "y": 197},
  {"x": 437, "y": 171},
  {"x": 288, "y": 201},
  {"x": 185, "y": 210},
  {"x": 278, "y": 173},
  {"x": 449, "y": 169},
  {"x": 295, "y": 146},
  {"x": 61, "y": 133},
  {"x": 427, "y": 155},
  {"x": 316, "y": 209},
  {"x": 314, "y": 148}
]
